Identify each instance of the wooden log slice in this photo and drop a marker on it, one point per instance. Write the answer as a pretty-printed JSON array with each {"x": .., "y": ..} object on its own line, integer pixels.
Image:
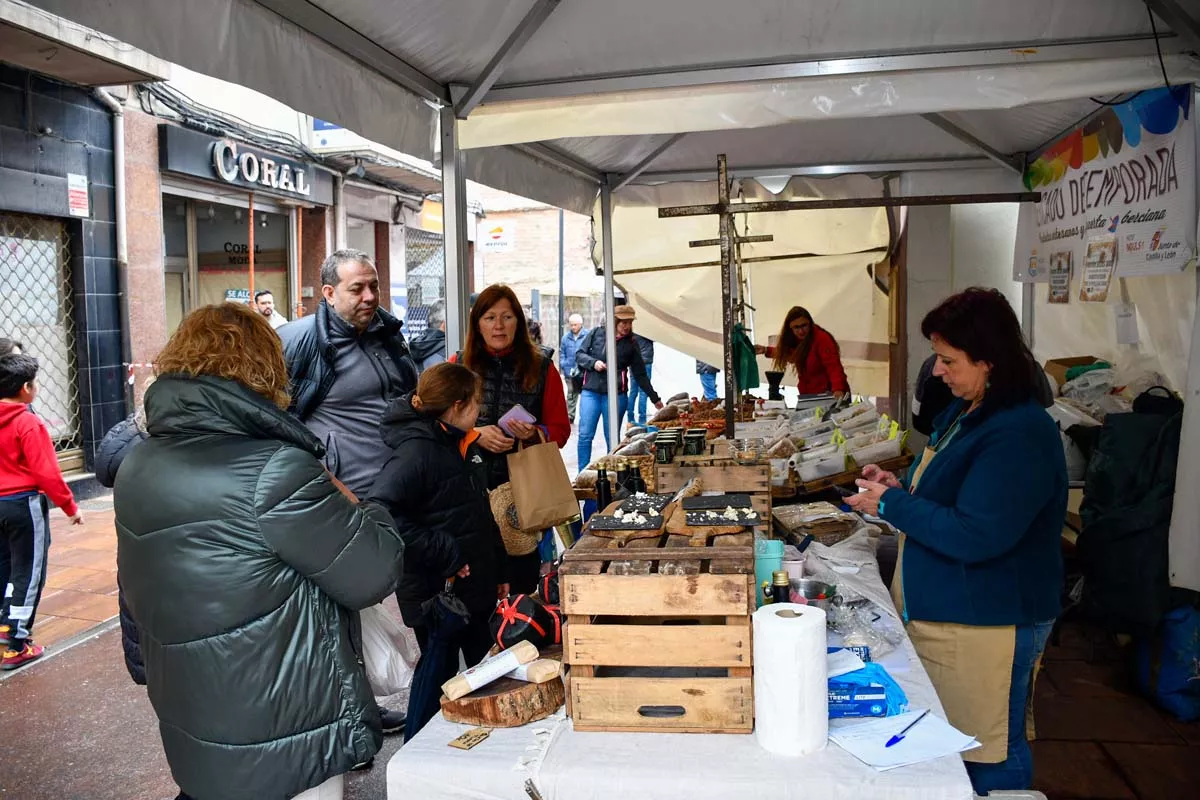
[{"x": 506, "y": 703}]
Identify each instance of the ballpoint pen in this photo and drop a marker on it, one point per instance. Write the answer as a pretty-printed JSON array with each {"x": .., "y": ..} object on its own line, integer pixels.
[{"x": 895, "y": 739}]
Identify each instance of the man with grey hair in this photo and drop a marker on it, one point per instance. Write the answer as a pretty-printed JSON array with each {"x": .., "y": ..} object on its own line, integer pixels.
[
  {"x": 429, "y": 348},
  {"x": 566, "y": 362},
  {"x": 347, "y": 362}
]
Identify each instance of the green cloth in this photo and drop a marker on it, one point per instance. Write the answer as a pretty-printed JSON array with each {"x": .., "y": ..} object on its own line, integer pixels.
[
  {"x": 745, "y": 362},
  {"x": 1075, "y": 372}
]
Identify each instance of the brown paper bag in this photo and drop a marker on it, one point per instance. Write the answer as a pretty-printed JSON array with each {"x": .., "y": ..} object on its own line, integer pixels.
[{"x": 541, "y": 488}]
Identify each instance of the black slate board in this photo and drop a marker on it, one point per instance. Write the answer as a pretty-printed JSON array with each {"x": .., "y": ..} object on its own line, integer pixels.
[
  {"x": 604, "y": 522},
  {"x": 647, "y": 504},
  {"x": 717, "y": 501},
  {"x": 713, "y": 518}
]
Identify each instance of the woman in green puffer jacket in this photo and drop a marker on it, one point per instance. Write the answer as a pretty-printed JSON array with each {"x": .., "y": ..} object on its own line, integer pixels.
[{"x": 244, "y": 566}]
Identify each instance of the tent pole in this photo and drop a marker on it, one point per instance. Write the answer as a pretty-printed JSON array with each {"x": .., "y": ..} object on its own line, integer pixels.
[
  {"x": 250, "y": 245},
  {"x": 454, "y": 232},
  {"x": 1027, "y": 301},
  {"x": 562, "y": 301},
  {"x": 731, "y": 398},
  {"x": 610, "y": 323}
]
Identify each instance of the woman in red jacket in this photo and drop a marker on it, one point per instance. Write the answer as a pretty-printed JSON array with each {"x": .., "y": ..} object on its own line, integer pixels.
[
  {"x": 513, "y": 371},
  {"x": 812, "y": 351}
]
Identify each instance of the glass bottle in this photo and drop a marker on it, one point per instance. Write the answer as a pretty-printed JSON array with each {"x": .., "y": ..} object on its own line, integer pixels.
[{"x": 604, "y": 490}]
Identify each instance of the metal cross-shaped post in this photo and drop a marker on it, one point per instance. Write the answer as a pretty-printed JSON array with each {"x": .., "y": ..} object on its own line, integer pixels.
[{"x": 731, "y": 388}]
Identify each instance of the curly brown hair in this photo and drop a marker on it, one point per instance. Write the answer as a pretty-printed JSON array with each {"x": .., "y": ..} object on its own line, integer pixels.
[{"x": 231, "y": 341}]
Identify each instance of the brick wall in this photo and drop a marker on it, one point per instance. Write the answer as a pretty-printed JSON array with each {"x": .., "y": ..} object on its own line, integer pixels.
[
  {"x": 532, "y": 263},
  {"x": 312, "y": 253},
  {"x": 383, "y": 263},
  {"x": 143, "y": 210}
]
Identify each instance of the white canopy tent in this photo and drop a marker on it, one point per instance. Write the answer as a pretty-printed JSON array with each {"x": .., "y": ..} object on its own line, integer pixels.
[{"x": 555, "y": 100}]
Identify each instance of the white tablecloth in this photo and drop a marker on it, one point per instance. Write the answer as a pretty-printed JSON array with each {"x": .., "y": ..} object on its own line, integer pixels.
[{"x": 567, "y": 765}]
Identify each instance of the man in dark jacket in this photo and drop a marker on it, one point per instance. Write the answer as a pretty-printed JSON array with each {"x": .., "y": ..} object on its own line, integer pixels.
[
  {"x": 110, "y": 454},
  {"x": 637, "y": 397},
  {"x": 708, "y": 379},
  {"x": 347, "y": 362},
  {"x": 430, "y": 347},
  {"x": 592, "y": 359},
  {"x": 567, "y": 367}
]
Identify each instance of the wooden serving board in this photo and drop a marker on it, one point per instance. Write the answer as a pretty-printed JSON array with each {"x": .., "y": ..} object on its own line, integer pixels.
[
  {"x": 621, "y": 537},
  {"x": 506, "y": 703},
  {"x": 677, "y": 525}
]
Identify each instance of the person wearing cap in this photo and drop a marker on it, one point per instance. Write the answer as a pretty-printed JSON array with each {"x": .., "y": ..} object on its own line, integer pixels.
[{"x": 592, "y": 359}]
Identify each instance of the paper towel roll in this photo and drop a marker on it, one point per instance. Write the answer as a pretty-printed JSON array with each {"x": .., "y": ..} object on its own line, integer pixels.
[{"x": 791, "y": 687}]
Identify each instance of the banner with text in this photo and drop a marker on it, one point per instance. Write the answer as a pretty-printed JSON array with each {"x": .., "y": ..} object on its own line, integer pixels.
[{"x": 1125, "y": 179}]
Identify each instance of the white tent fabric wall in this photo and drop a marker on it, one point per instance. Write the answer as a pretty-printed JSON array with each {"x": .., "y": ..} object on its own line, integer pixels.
[
  {"x": 242, "y": 42},
  {"x": 1185, "y": 517},
  {"x": 769, "y": 103},
  {"x": 517, "y": 173},
  {"x": 1166, "y": 307},
  {"x": 682, "y": 308}
]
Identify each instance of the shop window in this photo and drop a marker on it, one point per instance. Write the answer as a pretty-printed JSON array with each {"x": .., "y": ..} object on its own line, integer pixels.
[
  {"x": 36, "y": 309},
  {"x": 215, "y": 267}
]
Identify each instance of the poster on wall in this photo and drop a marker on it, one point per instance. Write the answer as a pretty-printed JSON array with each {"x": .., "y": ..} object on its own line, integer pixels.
[
  {"x": 1128, "y": 173},
  {"x": 1060, "y": 276},
  {"x": 1098, "y": 270}
]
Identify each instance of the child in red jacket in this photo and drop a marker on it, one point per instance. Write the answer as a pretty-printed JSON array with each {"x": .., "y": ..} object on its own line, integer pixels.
[{"x": 28, "y": 475}]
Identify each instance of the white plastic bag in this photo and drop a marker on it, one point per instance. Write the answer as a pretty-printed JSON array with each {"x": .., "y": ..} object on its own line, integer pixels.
[{"x": 390, "y": 651}]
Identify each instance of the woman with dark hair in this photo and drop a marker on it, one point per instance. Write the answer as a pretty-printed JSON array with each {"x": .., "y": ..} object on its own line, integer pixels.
[
  {"x": 514, "y": 371},
  {"x": 812, "y": 351},
  {"x": 436, "y": 488},
  {"x": 980, "y": 570},
  {"x": 244, "y": 566}
]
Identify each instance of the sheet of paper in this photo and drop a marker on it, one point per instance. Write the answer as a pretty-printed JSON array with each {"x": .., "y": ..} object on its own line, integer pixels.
[
  {"x": 1060, "y": 276},
  {"x": 929, "y": 739},
  {"x": 1127, "y": 327},
  {"x": 842, "y": 662}
]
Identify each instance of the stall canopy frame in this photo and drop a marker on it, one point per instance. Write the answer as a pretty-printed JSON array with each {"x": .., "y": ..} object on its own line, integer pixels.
[{"x": 562, "y": 100}]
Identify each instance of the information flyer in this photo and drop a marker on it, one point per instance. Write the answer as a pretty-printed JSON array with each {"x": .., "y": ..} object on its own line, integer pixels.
[
  {"x": 1060, "y": 276},
  {"x": 1098, "y": 270}
]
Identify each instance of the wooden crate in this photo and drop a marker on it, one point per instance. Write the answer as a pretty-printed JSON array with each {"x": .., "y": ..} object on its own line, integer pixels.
[
  {"x": 625, "y": 647},
  {"x": 723, "y": 476}
]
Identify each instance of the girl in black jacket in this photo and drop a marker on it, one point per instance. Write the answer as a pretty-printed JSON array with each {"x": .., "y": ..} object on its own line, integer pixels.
[{"x": 435, "y": 485}]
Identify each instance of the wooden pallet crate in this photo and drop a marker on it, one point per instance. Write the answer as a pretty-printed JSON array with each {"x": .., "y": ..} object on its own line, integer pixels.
[
  {"x": 658, "y": 631},
  {"x": 723, "y": 476}
]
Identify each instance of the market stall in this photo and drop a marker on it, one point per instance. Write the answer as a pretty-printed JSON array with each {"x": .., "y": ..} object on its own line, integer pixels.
[{"x": 564, "y": 764}]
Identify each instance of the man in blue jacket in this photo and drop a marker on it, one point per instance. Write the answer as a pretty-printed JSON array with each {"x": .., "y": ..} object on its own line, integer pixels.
[
  {"x": 637, "y": 397},
  {"x": 566, "y": 362}
]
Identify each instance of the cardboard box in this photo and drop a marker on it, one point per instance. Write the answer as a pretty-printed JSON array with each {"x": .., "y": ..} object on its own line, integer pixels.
[
  {"x": 1057, "y": 367},
  {"x": 851, "y": 700}
]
